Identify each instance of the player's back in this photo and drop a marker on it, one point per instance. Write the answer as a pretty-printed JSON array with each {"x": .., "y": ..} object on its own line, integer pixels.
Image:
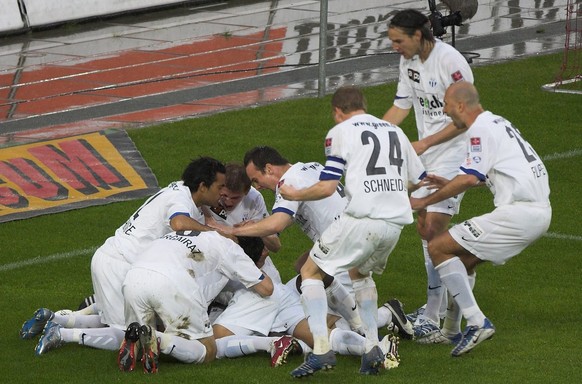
[
  {"x": 379, "y": 162},
  {"x": 312, "y": 216},
  {"x": 514, "y": 171},
  {"x": 152, "y": 219}
]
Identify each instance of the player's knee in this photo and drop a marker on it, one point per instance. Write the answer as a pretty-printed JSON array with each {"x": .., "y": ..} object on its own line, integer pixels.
[{"x": 435, "y": 250}]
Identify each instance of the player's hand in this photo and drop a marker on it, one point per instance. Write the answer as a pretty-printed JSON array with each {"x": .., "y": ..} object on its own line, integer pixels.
[
  {"x": 434, "y": 182},
  {"x": 242, "y": 224},
  {"x": 417, "y": 204},
  {"x": 223, "y": 229},
  {"x": 288, "y": 192}
]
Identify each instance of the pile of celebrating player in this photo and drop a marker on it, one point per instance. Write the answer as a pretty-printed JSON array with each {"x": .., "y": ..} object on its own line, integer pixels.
[{"x": 189, "y": 273}]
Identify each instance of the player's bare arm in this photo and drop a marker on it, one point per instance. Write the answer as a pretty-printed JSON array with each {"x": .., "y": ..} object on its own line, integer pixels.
[
  {"x": 454, "y": 187},
  {"x": 270, "y": 225},
  {"x": 185, "y": 223},
  {"x": 264, "y": 287},
  {"x": 272, "y": 242},
  {"x": 318, "y": 191},
  {"x": 444, "y": 135},
  {"x": 395, "y": 115}
]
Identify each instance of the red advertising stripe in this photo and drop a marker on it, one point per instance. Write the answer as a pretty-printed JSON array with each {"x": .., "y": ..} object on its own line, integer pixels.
[{"x": 70, "y": 173}]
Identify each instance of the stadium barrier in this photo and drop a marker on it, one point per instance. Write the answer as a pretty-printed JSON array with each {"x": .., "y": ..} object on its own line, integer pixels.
[
  {"x": 10, "y": 17},
  {"x": 20, "y": 15}
]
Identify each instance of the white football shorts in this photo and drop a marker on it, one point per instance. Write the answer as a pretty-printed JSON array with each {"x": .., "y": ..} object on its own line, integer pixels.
[
  {"x": 248, "y": 313},
  {"x": 503, "y": 233},
  {"x": 108, "y": 270},
  {"x": 290, "y": 310},
  {"x": 178, "y": 303},
  {"x": 351, "y": 242}
]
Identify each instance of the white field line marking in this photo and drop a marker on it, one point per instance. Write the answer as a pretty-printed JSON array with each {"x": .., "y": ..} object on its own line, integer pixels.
[
  {"x": 562, "y": 236},
  {"x": 59, "y": 256},
  {"x": 47, "y": 259},
  {"x": 562, "y": 155}
]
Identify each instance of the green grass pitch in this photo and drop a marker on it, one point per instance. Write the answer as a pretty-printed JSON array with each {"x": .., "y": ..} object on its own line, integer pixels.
[{"x": 533, "y": 300}]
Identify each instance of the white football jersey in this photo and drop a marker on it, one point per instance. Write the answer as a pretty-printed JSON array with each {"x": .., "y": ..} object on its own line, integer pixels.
[
  {"x": 251, "y": 207},
  {"x": 207, "y": 257},
  {"x": 152, "y": 219},
  {"x": 378, "y": 161},
  {"x": 312, "y": 216},
  {"x": 422, "y": 86},
  {"x": 501, "y": 157}
]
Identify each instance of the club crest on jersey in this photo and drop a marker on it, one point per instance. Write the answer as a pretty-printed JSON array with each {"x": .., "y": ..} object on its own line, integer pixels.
[
  {"x": 413, "y": 75},
  {"x": 457, "y": 76},
  {"x": 475, "y": 144},
  {"x": 432, "y": 82}
]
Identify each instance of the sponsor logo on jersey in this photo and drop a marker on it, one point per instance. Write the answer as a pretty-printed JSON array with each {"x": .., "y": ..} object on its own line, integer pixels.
[
  {"x": 475, "y": 144},
  {"x": 431, "y": 106},
  {"x": 413, "y": 75},
  {"x": 432, "y": 103},
  {"x": 457, "y": 76},
  {"x": 477, "y": 159}
]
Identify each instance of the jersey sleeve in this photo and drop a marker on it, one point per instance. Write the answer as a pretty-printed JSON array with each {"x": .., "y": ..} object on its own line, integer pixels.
[
  {"x": 456, "y": 67},
  {"x": 287, "y": 206},
  {"x": 334, "y": 156},
  {"x": 179, "y": 203},
  {"x": 481, "y": 149},
  {"x": 403, "y": 98}
]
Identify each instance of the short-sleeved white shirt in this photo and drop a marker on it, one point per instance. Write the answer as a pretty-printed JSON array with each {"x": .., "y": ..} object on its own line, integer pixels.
[
  {"x": 378, "y": 161},
  {"x": 422, "y": 86},
  {"x": 251, "y": 207},
  {"x": 152, "y": 219},
  {"x": 208, "y": 257},
  {"x": 501, "y": 157},
  {"x": 312, "y": 216}
]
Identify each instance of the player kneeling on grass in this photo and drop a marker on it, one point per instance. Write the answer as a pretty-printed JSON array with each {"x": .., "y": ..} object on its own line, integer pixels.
[
  {"x": 171, "y": 286},
  {"x": 500, "y": 158}
]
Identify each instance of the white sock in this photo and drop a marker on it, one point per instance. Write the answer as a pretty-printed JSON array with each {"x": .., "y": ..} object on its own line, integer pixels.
[
  {"x": 78, "y": 321},
  {"x": 236, "y": 346},
  {"x": 452, "y": 323},
  {"x": 454, "y": 276},
  {"x": 435, "y": 290},
  {"x": 186, "y": 351},
  {"x": 367, "y": 299},
  {"x": 340, "y": 300},
  {"x": 347, "y": 342},
  {"x": 384, "y": 316},
  {"x": 92, "y": 309},
  {"x": 314, "y": 302},
  {"x": 304, "y": 347},
  {"x": 108, "y": 338}
]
